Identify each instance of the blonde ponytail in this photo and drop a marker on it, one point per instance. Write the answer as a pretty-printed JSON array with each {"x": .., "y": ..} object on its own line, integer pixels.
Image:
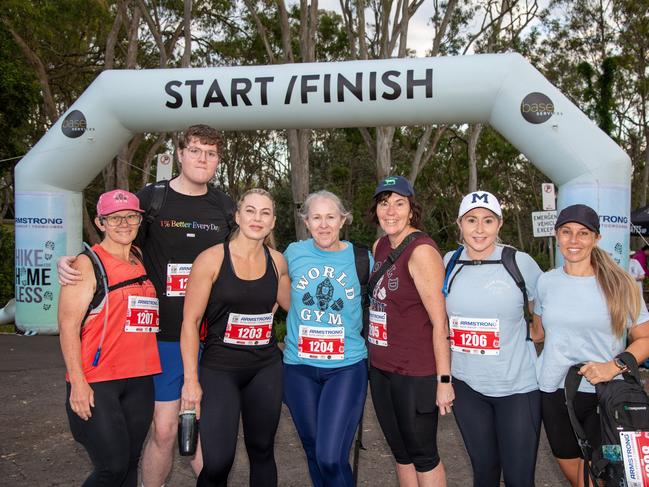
[{"x": 620, "y": 291}]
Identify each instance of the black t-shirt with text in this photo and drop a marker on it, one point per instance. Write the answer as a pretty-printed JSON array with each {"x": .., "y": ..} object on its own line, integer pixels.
[{"x": 183, "y": 228}]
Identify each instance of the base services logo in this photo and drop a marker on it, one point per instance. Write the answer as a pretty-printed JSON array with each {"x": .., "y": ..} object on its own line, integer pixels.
[
  {"x": 74, "y": 124},
  {"x": 537, "y": 108}
]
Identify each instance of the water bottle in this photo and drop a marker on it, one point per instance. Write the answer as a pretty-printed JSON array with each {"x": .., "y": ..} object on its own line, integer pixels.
[{"x": 187, "y": 432}]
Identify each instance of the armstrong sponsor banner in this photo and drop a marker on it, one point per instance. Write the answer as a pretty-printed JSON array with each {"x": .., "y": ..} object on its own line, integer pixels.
[
  {"x": 635, "y": 450},
  {"x": 613, "y": 205},
  {"x": 41, "y": 235}
]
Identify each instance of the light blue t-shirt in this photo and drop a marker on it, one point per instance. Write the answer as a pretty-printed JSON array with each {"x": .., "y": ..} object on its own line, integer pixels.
[
  {"x": 488, "y": 294},
  {"x": 577, "y": 327},
  {"x": 326, "y": 305}
]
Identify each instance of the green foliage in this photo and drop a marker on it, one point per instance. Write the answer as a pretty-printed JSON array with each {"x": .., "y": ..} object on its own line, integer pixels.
[{"x": 7, "y": 280}]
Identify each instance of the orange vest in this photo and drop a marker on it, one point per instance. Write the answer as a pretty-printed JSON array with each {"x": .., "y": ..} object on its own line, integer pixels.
[{"x": 123, "y": 354}]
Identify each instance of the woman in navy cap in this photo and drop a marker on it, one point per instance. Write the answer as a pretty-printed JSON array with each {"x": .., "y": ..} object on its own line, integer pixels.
[
  {"x": 586, "y": 308},
  {"x": 408, "y": 346}
]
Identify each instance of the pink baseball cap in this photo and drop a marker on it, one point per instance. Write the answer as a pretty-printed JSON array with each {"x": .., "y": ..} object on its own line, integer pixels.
[{"x": 117, "y": 200}]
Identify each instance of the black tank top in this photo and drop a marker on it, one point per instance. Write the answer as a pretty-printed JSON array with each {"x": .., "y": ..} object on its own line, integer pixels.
[{"x": 230, "y": 298}]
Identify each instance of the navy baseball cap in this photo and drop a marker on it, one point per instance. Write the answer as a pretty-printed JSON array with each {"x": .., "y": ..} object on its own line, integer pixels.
[
  {"x": 395, "y": 184},
  {"x": 582, "y": 214}
]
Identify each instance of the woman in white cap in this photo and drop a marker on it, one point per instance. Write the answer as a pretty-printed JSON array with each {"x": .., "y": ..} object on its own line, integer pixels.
[
  {"x": 497, "y": 401},
  {"x": 587, "y": 308},
  {"x": 408, "y": 347},
  {"x": 107, "y": 327}
]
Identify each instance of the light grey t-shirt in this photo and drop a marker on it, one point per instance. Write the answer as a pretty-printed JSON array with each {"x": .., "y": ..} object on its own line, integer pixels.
[
  {"x": 487, "y": 294},
  {"x": 577, "y": 327}
]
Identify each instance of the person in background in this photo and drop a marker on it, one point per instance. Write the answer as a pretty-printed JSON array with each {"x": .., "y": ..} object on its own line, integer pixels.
[
  {"x": 637, "y": 272},
  {"x": 193, "y": 216},
  {"x": 410, "y": 374},
  {"x": 641, "y": 256},
  {"x": 236, "y": 286},
  {"x": 325, "y": 359},
  {"x": 585, "y": 310},
  {"x": 497, "y": 399},
  {"x": 109, "y": 347}
]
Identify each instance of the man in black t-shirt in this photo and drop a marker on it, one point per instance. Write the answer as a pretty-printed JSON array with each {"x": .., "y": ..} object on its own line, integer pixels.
[{"x": 192, "y": 217}]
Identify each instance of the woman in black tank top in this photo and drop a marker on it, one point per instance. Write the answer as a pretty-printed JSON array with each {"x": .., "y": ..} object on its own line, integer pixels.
[{"x": 236, "y": 287}]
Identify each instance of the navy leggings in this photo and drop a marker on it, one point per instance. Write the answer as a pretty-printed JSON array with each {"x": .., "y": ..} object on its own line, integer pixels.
[
  {"x": 255, "y": 396},
  {"x": 500, "y": 433},
  {"x": 326, "y": 406},
  {"x": 114, "y": 434}
]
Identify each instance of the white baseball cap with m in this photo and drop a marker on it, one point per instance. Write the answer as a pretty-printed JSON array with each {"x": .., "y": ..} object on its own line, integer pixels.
[{"x": 479, "y": 199}]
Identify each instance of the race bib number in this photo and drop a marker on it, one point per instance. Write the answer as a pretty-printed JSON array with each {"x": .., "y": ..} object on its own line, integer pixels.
[
  {"x": 378, "y": 330},
  {"x": 142, "y": 315},
  {"x": 177, "y": 277},
  {"x": 475, "y": 335},
  {"x": 320, "y": 343},
  {"x": 250, "y": 330},
  {"x": 635, "y": 453}
]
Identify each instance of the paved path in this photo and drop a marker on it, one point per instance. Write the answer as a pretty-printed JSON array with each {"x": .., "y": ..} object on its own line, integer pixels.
[{"x": 37, "y": 450}]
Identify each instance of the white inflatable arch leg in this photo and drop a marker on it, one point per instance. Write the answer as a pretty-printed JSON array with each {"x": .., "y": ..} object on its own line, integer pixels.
[{"x": 503, "y": 90}]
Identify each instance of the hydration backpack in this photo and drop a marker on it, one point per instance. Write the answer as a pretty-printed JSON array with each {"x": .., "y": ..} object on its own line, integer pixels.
[{"x": 508, "y": 260}]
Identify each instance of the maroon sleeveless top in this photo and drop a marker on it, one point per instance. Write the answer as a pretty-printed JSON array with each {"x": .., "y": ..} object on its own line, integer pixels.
[{"x": 409, "y": 349}]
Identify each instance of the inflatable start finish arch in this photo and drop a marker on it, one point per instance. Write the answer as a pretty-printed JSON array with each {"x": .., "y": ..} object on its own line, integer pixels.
[{"x": 503, "y": 90}]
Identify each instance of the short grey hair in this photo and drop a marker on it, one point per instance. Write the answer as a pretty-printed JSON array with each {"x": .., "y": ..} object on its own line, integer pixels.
[{"x": 323, "y": 193}]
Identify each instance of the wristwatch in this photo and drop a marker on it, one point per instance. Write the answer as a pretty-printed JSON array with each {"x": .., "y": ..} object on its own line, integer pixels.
[
  {"x": 444, "y": 379},
  {"x": 620, "y": 365}
]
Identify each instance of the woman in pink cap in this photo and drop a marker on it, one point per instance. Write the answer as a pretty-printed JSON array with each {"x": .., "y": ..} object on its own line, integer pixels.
[{"x": 107, "y": 327}]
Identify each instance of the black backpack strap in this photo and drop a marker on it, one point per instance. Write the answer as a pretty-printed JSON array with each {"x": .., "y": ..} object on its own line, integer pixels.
[
  {"x": 362, "y": 261},
  {"x": 102, "y": 289},
  {"x": 509, "y": 262},
  {"x": 571, "y": 386},
  {"x": 158, "y": 198},
  {"x": 227, "y": 206},
  {"x": 394, "y": 255},
  {"x": 629, "y": 360}
]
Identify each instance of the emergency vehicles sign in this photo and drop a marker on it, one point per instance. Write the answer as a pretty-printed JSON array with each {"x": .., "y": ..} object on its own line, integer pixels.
[{"x": 543, "y": 223}]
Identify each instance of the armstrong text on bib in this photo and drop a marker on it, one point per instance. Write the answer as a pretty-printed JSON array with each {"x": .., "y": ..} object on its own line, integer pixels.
[
  {"x": 250, "y": 330},
  {"x": 378, "y": 330},
  {"x": 142, "y": 315},
  {"x": 177, "y": 277},
  {"x": 475, "y": 335},
  {"x": 321, "y": 343}
]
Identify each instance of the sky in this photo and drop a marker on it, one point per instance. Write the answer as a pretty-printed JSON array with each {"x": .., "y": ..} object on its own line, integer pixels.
[{"x": 420, "y": 31}]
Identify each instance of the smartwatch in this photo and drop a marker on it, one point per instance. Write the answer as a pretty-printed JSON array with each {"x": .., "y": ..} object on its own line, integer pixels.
[
  {"x": 620, "y": 365},
  {"x": 444, "y": 379}
]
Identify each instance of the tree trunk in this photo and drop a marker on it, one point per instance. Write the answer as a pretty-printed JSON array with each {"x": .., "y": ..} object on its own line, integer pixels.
[
  {"x": 187, "y": 32},
  {"x": 384, "y": 137},
  {"x": 88, "y": 227},
  {"x": 645, "y": 170},
  {"x": 474, "y": 136},
  {"x": 298, "y": 147}
]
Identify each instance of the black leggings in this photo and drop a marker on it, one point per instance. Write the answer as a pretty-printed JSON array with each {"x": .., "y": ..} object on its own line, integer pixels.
[
  {"x": 254, "y": 395},
  {"x": 114, "y": 434},
  {"x": 500, "y": 433}
]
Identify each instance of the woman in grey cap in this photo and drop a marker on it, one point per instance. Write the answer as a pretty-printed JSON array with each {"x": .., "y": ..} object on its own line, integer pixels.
[{"x": 586, "y": 309}]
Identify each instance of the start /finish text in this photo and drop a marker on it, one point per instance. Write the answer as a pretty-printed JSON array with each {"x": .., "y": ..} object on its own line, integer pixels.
[{"x": 325, "y": 88}]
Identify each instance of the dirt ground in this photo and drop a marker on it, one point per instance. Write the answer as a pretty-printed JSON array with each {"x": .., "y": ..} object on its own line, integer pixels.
[{"x": 37, "y": 450}]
